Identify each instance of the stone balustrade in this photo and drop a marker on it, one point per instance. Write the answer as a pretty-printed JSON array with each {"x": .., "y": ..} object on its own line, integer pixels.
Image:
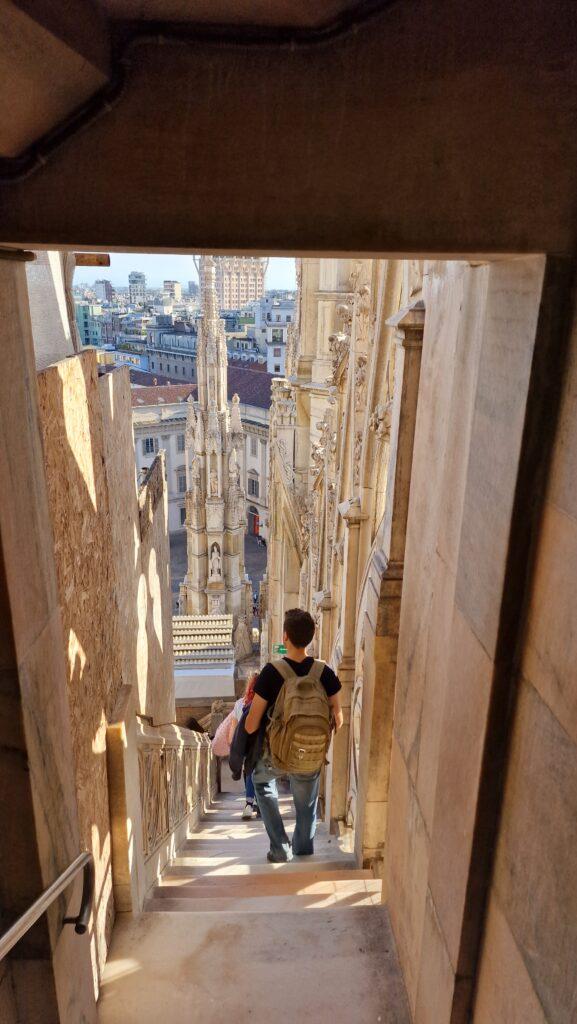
[
  {"x": 161, "y": 780},
  {"x": 177, "y": 777},
  {"x": 175, "y": 767}
]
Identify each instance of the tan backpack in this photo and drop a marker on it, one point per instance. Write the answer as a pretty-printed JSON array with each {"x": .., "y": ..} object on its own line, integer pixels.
[{"x": 299, "y": 731}]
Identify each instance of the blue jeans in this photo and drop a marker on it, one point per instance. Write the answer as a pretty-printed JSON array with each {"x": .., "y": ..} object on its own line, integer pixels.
[
  {"x": 249, "y": 788},
  {"x": 305, "y": 792}
]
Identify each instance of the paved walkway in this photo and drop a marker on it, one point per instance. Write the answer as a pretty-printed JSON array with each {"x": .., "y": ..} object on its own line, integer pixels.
[{"x": 227, "y": 936}]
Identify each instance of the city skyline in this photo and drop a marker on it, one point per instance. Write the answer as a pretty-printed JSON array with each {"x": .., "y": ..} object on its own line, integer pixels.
[{"x": 160, "y": 267}]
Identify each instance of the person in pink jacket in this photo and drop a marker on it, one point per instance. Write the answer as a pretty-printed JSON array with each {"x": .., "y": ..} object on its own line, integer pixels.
[{"x": 223, "y": 738}]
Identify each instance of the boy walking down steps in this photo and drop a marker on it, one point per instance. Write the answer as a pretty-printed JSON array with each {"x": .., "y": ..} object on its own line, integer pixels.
[{"x": 296, "y": 706}]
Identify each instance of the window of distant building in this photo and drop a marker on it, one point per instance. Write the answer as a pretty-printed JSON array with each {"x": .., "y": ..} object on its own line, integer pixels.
[
  {"x": 182, "y": 516},
  {"x": 149, "y": 445},
  {"x": 160, "y": 366},
  {"x": 253, "y": 487},
  {"x": 289, "y": 318},
  {"x": 181, "y": 480},
  {"x": 180, "y": 442},
  {"x": 253, "y": 446},
  {"x": 276, "y": 352},
  {"x": 277, "y": 367}
]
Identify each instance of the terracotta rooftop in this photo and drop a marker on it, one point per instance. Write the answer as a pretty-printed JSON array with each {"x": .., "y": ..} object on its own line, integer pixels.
[
  {"x": 243, "y": 364},
  {"x": 162, "y": 394},
  {"x": 142, "y": 377},
  {"x": 252, "y": 389}
]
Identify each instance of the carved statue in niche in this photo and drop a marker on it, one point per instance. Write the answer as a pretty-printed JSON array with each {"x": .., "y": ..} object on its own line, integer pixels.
[
  {"x": 242, "y": 639},
  {"x": 213, "y": 438},
  {"x": 213, "y": 483},
  {"x": 235, "y": 418},
  {"x": 233, "y": 470},
  {"x": 190, "y": 422},
  {"x": 196, "y": 486},
  {"x": 211, "y": 350},
  {"x": 215, "y": 562},
  {"x": 199, "y": 435}
]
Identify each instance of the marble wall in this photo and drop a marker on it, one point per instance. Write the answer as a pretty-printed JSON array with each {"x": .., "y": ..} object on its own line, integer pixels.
[
  {"x": 73, "y": 439},
  {"x": 155, "y": 656},
  {"x": 139, "y": 539},
  {"x": 52, "y": 331},
  {"x": 111, "y": 553},
  {"x": 528, "y": 972},
  {"x": 462, "y": 596},
  {"x": 40, "y": 836}
]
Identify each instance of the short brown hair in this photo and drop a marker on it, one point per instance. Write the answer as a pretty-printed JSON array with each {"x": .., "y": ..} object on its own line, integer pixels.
[{"x": 299, "y": 626}]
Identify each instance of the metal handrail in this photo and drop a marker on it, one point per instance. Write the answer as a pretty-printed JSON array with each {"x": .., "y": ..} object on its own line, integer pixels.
[{"x": 84, "y": 862}]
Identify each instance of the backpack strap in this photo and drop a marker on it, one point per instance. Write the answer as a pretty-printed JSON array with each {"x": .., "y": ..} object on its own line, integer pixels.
[
  {"x": 317, "y": 670},
  {"x": 283, "y": 669}
]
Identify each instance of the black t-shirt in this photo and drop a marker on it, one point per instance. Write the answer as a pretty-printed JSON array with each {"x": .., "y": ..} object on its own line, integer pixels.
[{"x": 269, "y": 682}]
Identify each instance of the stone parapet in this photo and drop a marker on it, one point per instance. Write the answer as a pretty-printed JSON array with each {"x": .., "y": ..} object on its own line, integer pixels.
[{"x": 161, "y": 781}]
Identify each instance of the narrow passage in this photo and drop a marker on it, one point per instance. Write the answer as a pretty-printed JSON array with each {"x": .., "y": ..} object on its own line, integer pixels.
[{"x": 225, "y": 935}]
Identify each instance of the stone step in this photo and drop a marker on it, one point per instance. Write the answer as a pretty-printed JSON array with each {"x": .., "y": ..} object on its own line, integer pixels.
[
  {"x": 252, "y": 846},
  {"x": 265, "y": 904},
  {"x": 234, "y": 816},
  {"x": 297, "y": 885},
  {"x": 218, "y": 866},
  {"x": 279, "y": 881}
]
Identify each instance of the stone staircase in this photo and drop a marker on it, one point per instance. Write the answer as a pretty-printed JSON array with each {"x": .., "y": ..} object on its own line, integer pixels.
[
  {"x": 223, "y": 868},
  {"x": 227, "y": 936}
]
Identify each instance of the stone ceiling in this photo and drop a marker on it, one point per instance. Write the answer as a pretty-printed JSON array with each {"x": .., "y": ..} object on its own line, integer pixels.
[{"x": 296, "y": 13}]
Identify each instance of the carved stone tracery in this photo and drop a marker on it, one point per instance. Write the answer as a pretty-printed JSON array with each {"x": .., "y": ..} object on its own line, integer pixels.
[
  {"x": 380, "y": 420},
  {"x": 360, "y": 382}
]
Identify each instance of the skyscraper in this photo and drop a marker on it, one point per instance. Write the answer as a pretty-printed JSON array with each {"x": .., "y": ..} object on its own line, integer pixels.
[
  {"x": 136, "y": 287},
  {"x": 103, "y": 291},
  {"x": 173, "y": 289},
  {"x": 239, "y": 279}
]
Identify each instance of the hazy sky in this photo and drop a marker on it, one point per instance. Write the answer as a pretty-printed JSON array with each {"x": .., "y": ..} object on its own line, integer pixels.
[{"x": 159, "y": 268}]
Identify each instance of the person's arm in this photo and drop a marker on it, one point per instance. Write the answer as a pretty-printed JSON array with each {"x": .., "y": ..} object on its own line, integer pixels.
[
  {"x": 335, "y": 703},
  {"x": 231, "y": 729},
  {"x": 255, "y": 715}
]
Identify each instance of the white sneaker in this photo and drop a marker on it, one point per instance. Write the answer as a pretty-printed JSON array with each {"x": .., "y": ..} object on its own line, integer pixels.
[{"x": 247, "y": 813}]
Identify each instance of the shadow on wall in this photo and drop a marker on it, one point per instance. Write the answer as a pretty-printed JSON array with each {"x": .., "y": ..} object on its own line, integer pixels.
[{"x": 114, "y": 589}]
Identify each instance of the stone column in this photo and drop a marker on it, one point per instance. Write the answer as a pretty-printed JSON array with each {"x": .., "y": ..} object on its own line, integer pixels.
[
  {"x": 378, "y": 693},
  {"x": 337, "y": 774},
  {"x": 50, "y": 966},
  {"x": 324, "y": 603}
]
